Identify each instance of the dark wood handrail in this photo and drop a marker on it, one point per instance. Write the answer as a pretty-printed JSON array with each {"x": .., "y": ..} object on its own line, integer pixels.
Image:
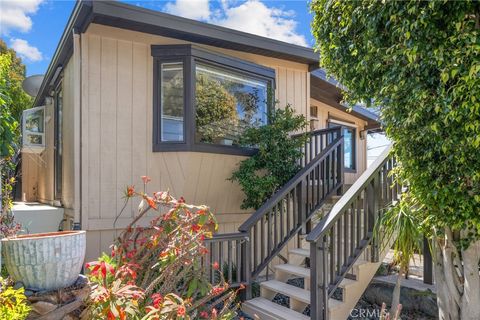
[
  {"x": 343, "y": 235},
  {"x": 339, "y": 208},
  {"x": 287, "y": 212},
  {"x": 316, "y": 132},
  {"x": 257, "y": 215}
]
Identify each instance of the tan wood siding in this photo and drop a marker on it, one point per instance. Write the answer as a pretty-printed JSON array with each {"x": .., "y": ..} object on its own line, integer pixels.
[
  {"x": 31, "y": 165},
  {"x": 324, "y": 113},
  {"x": 117, "y": 84}
]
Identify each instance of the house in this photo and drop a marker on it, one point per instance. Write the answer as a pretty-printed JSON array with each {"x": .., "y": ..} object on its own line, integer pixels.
[{"x": 121, "y": 99}]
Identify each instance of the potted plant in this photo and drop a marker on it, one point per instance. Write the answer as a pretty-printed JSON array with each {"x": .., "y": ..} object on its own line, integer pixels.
[{"x": 45, "y": 261}]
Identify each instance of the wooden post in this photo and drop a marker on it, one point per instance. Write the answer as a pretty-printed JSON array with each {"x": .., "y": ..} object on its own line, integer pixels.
[
  {"x": 318, "y": 283},
  {"x": 246, "y": 268},
  {"x": 427, "y": 262}
]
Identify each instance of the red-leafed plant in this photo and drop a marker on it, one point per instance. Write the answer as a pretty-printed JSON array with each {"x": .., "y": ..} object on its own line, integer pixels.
[{"x": 157, "y": 272}]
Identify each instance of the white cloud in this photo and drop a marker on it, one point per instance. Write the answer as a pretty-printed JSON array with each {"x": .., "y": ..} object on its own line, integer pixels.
[
  {"x": 15, "y": 15},
  {"x": 192, "y": 9},
  {"x": 255, "y": 17},
  {"x": 251, "y": 16},
  {"x": 25, "y": 50}
]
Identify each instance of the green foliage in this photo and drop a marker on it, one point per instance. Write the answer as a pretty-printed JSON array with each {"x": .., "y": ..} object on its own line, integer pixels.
[
  {"x": 400, "y": 223},
  {"x": 420, "y": 61},
  {"x": 216, "y": 110},
  {"x": 277, "y": 159},
  {"x": 13, "y": 304},
  {"x": 159, "y": 272},
  {"x": 19, "y": 100},
  {"x": 8, "y": 124}
]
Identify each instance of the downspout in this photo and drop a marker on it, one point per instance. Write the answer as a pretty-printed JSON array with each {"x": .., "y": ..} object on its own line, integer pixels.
[{"x": 77, "y": 94}]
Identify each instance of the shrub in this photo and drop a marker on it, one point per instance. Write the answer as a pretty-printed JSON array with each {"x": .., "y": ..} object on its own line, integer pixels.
[
  {"x": 157, "y": 272},
  {"x": 276, "y": 162},
  {"x": 13, "y": 303}
]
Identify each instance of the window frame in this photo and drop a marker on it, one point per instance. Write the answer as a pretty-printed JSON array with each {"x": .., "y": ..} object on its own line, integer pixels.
[
  {"x": 58, "y": 134},
  {"x": 25, "y": 144},
  {"x": 353, "y": 127},
  {"x": 190, "y": 55}
]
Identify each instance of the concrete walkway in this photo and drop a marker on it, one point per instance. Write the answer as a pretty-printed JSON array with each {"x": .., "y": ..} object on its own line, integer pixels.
[{"x": 415, "y": 277}]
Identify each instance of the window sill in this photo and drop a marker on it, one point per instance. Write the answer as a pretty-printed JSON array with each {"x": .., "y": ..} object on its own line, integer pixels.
[
  {"x": 203, "y": 147},
  {"x": 348, "y": 170}
]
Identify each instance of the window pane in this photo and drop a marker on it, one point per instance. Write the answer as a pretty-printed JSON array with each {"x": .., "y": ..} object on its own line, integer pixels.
[
  {"x": 348, "y": 147},
  {"x": 227, "y": 103},
  {"x": 172, "y": 109},
  {"x": 35, "y": 121},
  {"x": 34, "y": 139}
]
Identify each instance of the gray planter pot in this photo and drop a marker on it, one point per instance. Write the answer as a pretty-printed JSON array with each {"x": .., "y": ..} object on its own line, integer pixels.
[{"x": 45, "y": 261}]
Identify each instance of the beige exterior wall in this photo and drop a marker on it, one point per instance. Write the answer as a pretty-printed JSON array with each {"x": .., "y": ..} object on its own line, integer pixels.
[
  {"x": 326, "y": 112},
  {"x": 117, "y": 84}
]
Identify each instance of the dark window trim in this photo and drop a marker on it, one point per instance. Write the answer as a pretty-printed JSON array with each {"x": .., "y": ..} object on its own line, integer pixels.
[
  {"x": 58, "y": 189},
  {"x": 354, "y": 141},
  {"x": 189, "y": 54}
]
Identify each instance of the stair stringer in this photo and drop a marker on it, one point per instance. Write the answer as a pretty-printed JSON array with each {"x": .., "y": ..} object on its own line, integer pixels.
[{"x": 364, "y": 277}]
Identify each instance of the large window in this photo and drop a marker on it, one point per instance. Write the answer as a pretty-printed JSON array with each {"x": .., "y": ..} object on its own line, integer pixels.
[
  {"x": 204, "y": 101},
  {"x": 226, "y": 103},
  {"x": 348, "y": 144}
]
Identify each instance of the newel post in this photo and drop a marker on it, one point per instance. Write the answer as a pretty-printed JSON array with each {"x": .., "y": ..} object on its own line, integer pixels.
[
  {"x": 318, "y": 281},
  {"x": 246, "y": 267}
]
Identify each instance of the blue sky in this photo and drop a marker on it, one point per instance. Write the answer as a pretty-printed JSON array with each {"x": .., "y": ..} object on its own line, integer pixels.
[{"x": 34, "y": 27}]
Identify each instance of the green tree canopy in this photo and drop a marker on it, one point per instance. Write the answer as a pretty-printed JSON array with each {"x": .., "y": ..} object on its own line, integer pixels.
[
  {"x": 420, "y": 61},
  {"x": 8, "y": 124},
  {"x": 15, "y": 75}
]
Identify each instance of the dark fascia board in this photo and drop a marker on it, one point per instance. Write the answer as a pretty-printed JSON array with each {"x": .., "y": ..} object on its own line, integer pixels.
[
  {"x": 134, "y": 18},
  {"x": 328, "y": 90}
]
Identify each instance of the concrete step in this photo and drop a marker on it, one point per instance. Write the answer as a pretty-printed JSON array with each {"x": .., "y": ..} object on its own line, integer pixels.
[{"x": 263, "y": 309}]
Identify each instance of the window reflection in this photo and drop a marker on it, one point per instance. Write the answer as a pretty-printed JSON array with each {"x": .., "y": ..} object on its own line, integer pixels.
[
  {"x": 172, "y": 102},
  {"x": 227, "y": 103}
]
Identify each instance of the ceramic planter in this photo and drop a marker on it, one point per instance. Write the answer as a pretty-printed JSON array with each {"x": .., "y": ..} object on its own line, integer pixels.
[{"x": 45, "y": 261}]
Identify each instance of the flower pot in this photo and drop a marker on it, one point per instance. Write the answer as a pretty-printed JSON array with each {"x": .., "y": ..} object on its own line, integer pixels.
[{"x": 45, "y": 261}]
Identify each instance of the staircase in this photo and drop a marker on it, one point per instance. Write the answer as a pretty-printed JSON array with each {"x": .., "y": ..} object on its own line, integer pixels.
[
  {"x": 343, "y": 301},
  {"x": 333, "y": 262}
]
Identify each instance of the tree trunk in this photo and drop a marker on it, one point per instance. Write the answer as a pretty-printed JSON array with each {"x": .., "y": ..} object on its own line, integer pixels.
[
  {"x": 457, "y": 279},
  {"x": 396, "y": 293}
]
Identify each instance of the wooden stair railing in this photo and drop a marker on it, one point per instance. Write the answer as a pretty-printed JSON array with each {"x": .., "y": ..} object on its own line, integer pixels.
[
  {"x": 245, "y": 254},
  {"x": 343, "y": 235}
]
